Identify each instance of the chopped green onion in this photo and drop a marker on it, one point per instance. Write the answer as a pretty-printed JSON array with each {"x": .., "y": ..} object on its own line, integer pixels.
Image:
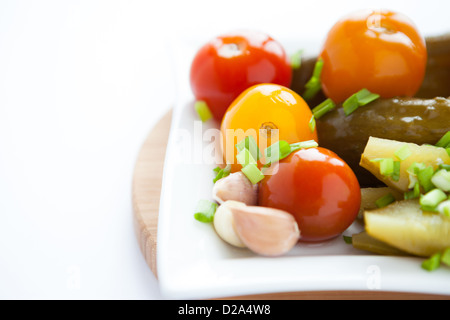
[
  {"x": 444, "y": 142},
  {"x": 441, "y": 179},
  {"x": 365, "y": 97},
  {"x": 448, "y": 151},
  {"x": 278, "y": 151},
  {"x": 403, "y": 153},
  {"x": 205, "y": 211},
  {"x": 445, "y": 257},
  {"x": 385, "y": 201},
  {"x": 348, "y": 240},
  {"x": 387, "y": 167},
  {"x": 304, "y": 145},
  {"x": 313, "y": 86},
  {"x": 253, "y": 174},
  {"x": 444, "y": 208},
  {"x": 203, "y": 110},
  {"x": 433, "y": 263},
  {"x": 396, "y": 173},
  {"x": 416, "y": 167},
  {"x": 312, "y": 123},
  {"x": 350, "y": 105},
  {"x": 282, "y": 149},
  {"x": 250, "y": 144},
  {"x": 245, "y": 158},
  {"x": 222, "y": 173},
  {"x": 359, "y": 99},
  {"x": 445, "y": 166},
  {"x": 424, "y": 176},
  {"x": 431, "y": 199},
  {"x": 323, "y": 108},
  {"x": 413, "y": 194},
  {"x": 296, "y": 59}
]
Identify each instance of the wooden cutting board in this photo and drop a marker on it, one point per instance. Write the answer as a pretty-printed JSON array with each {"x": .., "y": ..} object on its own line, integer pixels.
[{"x": 146, "y": 193}]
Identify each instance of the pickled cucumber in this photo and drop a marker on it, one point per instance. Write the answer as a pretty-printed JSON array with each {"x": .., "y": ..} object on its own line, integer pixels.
[{"x": 406, "y": 227}]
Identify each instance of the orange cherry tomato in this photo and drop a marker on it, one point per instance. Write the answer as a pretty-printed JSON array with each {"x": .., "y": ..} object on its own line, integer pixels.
[
  {"x": 381, "y": 51},
  {"x": 269, "y": 113},
  {"x": 318, "y": 188}
]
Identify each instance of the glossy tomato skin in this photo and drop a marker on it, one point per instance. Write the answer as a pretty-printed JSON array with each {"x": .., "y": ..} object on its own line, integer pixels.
[
  {"x": 378, "y": 50},
  {"x": 318, "y": 188},
  {"x": 257, "y": 111},
  {"x": 227, "y": 65}
]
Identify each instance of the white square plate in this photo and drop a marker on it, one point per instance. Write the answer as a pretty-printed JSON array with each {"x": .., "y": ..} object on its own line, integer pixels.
[{"x": 194, "y": 263}]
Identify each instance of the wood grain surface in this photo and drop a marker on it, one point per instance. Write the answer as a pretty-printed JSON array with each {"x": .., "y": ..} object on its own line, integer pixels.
[{"x": 146, "y": 191}]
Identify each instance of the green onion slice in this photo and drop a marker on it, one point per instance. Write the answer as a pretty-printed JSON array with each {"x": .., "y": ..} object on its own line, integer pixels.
[
  {"x": 403, "y": 153},
  {"x": 444, "y": 142},
  {"x": 413, "y": 194},
  {"x": 433, "y": 263},
  {"x": 385, "y": 201},
  {"x": 203, "y": 110},
  {"x": 444, "y": 208},
  {"x": 205, "y": 210},
  {"x": 245, "y": 158},
  {"x": 313, "y": 86},
  {"x": 312, "y": 123},
  {"x": 432, "y": 199},
  {"x": 441, "y": 179},
  {"x": 416, "y": 167},
  {"x": 323, "y": 108},
  {"x": 424, "y": 177},
  {"x": 445, "y": 257},
  {"x": 253, "y": 174},
  {"x": 296, "y": 59},
  {"x": 250, "y": 144},
  {"x": 222, "y": 173},
  {"x": 396, "y": 174},
  {"x": 359, "y": 99},
  {"x": 277, "y": 151},
  {"x": 304, "y": 145},
  {"x": 350, "y": 105},
  {"x": 387, "y": 167},
  {"x": 347, "y": 239},
  {"x": 444, "y": 166}
]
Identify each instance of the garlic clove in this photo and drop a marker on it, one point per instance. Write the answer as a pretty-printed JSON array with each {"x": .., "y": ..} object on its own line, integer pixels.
[
  {"x": 224, "y": 223},
  {"x": 266, "y": 231},
  {"x": 236, "y": 187}
]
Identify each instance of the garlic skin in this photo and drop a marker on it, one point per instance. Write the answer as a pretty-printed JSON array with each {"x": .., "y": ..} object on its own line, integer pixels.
[
  {"x": 224, "y": 223},
  {"x": 236, "y": 187},
  {"x": 266, "y": 231}
]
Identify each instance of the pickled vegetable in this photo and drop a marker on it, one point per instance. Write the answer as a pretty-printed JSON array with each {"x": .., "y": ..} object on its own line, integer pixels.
[
  {"x": 437, "y": 76},
  {"x": 363, "y": 241},
  {"x": 378, "y": 149},
  {"x": 419, "y": 120},
  {"x": 410, "y": 120},
  {"x": 406, "y": 227},
  {"x": 369, "y": 197}
]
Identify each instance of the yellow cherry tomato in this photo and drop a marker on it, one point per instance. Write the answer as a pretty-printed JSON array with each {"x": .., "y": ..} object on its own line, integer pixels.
[{"x": 268, "y": 113}]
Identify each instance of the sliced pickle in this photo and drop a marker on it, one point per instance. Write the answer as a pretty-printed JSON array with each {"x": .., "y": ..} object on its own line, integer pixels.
[
  {"x": 363, "y": 241},
  {"x": 406, "y": 227},
  {"x": 377, "y": 148}
]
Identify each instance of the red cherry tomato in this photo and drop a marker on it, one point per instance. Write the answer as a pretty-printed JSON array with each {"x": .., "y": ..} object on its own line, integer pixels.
[
  {"x": 229, "y": 64},
  {"x": 381, "y": 51},
  {"x": 318, "y": 188}
]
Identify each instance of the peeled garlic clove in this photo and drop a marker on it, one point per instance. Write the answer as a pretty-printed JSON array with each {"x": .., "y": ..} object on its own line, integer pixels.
[
  {"x": 236, "y": 187},
  {"x": 266, "y": 231},
  {"x": 224, "y": 223}
]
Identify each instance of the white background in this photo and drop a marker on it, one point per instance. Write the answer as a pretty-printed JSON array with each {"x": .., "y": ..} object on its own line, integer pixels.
[{"x": 81, "y": 85}]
